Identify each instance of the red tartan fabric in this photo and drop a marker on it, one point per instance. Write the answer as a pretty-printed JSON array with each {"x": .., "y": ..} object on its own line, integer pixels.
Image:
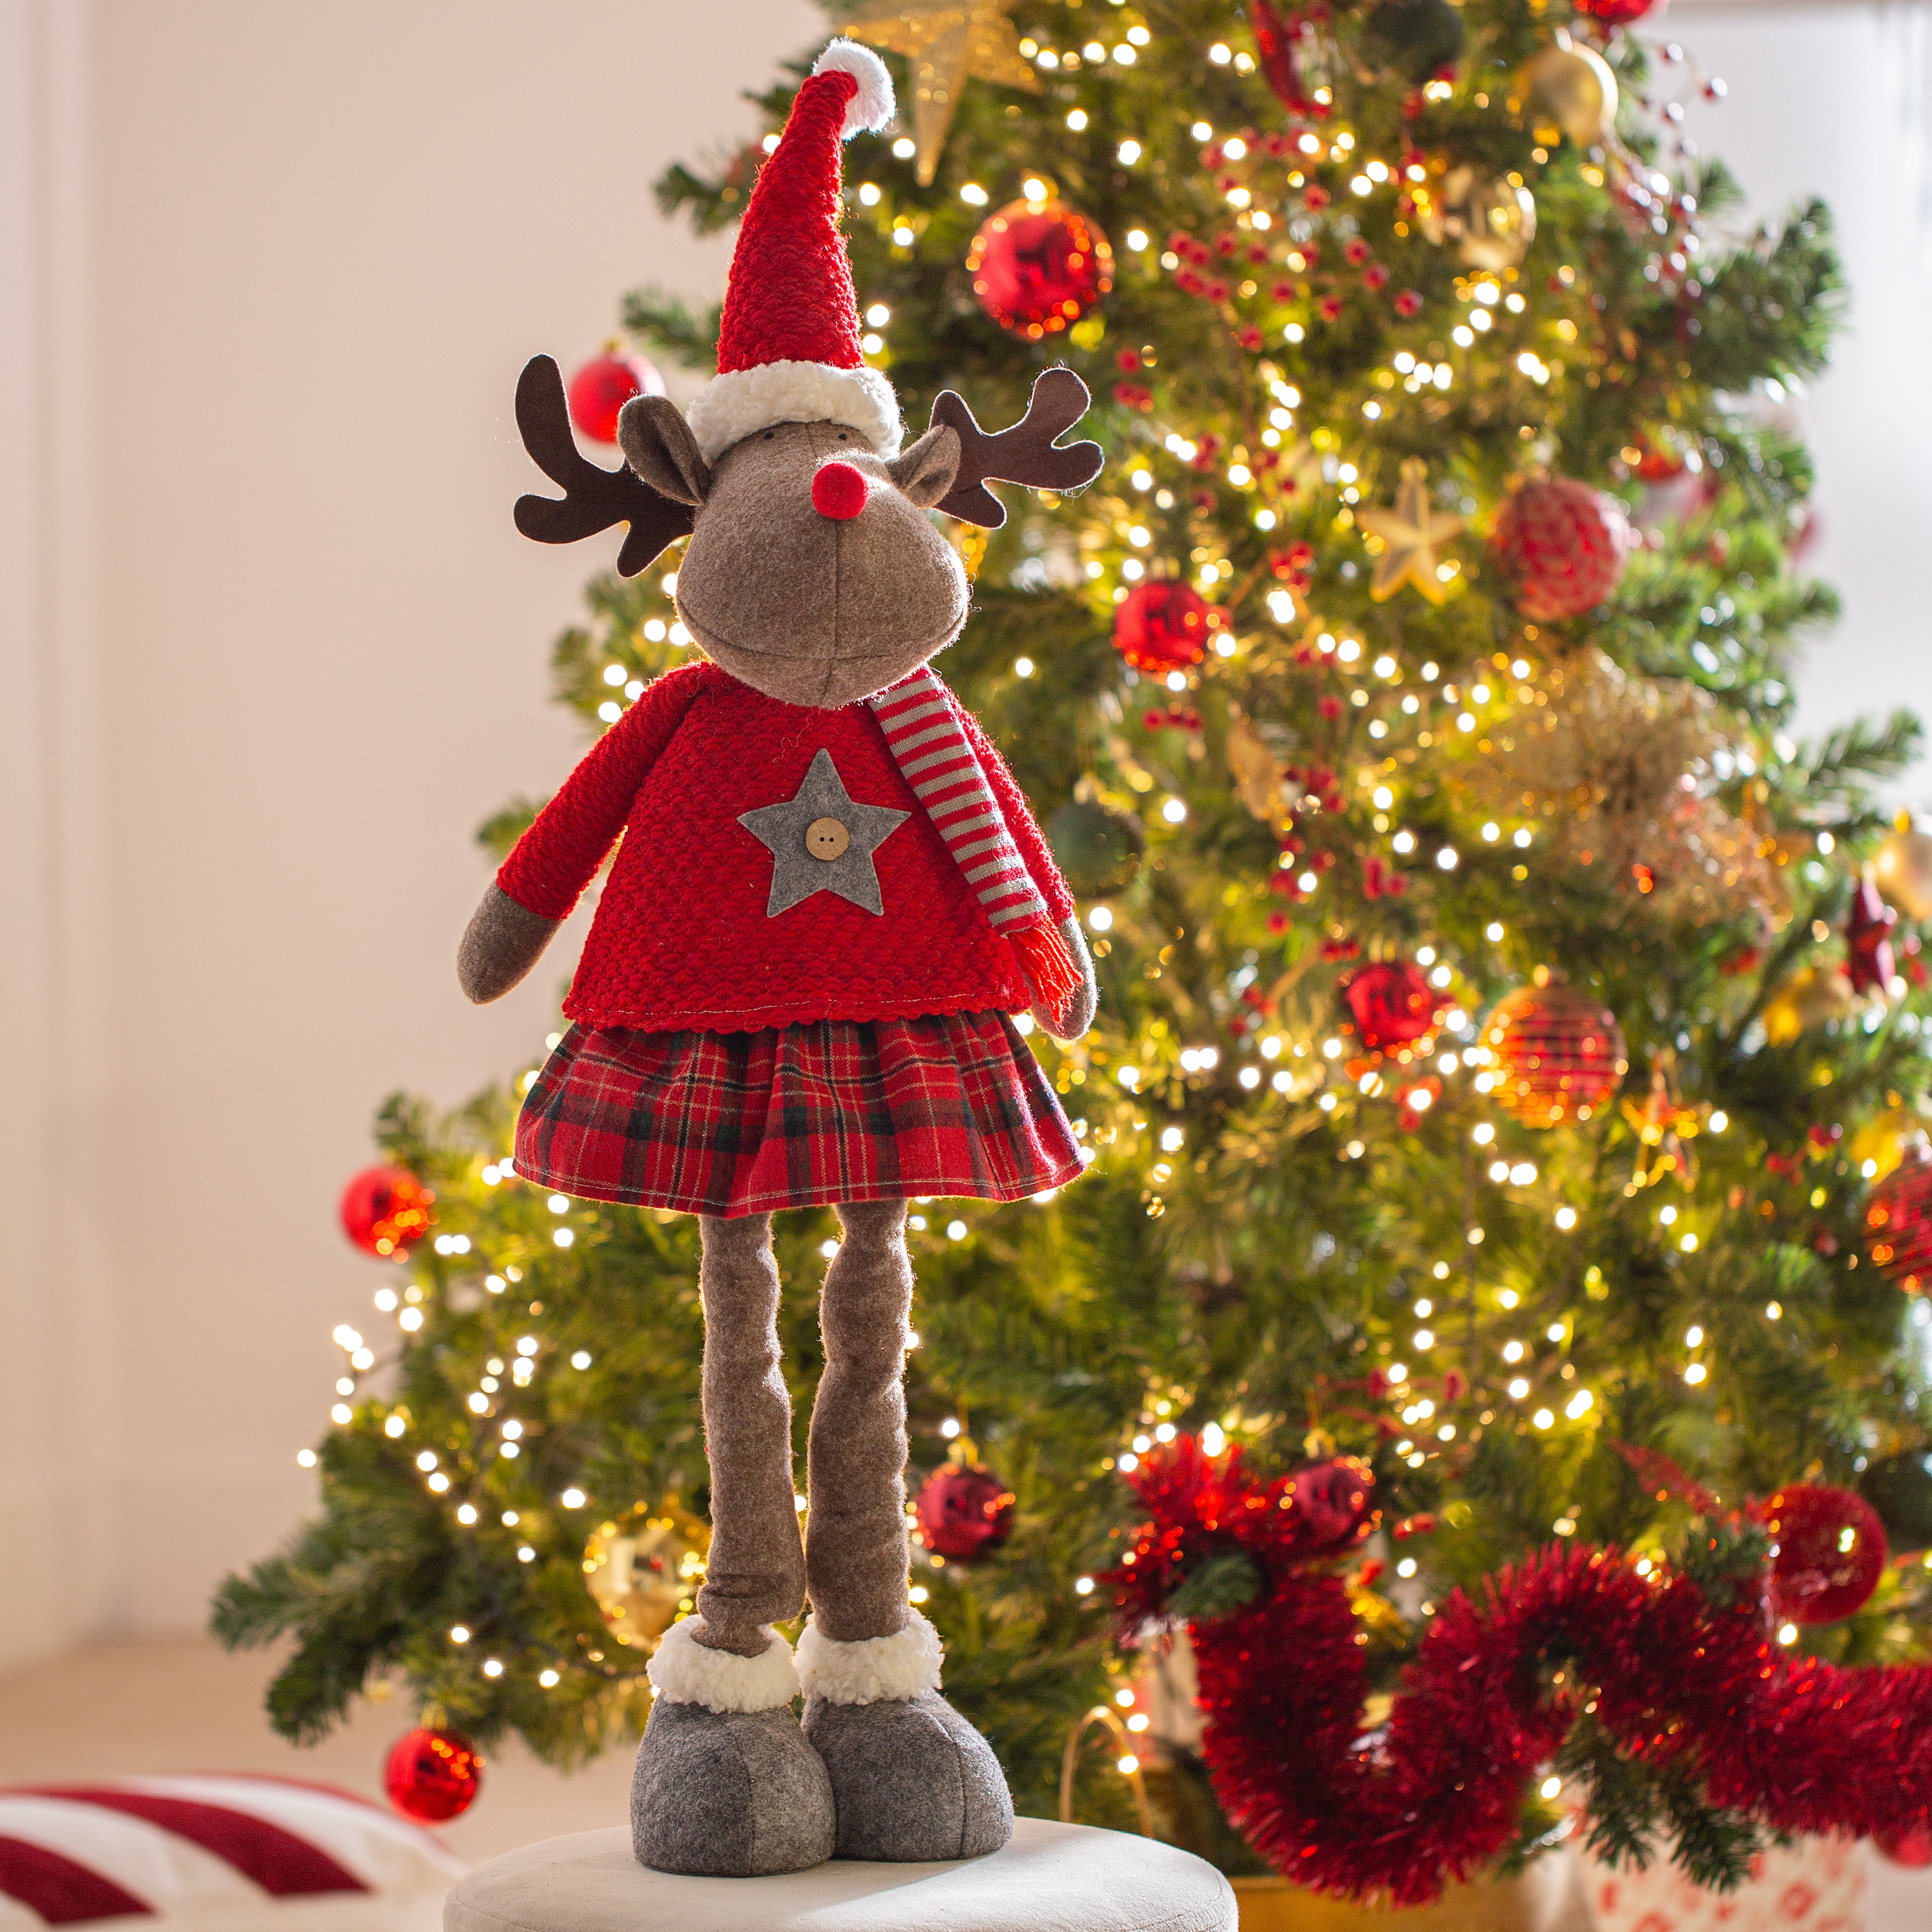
[{"x": 796, "y": 1117}]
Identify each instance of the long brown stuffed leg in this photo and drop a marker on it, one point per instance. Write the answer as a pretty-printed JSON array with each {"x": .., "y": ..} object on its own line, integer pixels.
[
  {"x": 911, "y": 1779},
  {"x": 726, "y": 1785}
]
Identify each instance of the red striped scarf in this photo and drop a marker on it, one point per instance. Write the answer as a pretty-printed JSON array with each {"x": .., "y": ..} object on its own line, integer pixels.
[{"x": 921, "y": 720}]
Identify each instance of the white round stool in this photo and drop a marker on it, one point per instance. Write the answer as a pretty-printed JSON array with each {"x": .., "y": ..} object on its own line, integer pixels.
[{"x": 1050, "y": 1878}]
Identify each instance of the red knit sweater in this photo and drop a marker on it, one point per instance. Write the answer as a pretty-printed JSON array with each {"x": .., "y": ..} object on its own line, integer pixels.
[{"x": 681, "y": 938}]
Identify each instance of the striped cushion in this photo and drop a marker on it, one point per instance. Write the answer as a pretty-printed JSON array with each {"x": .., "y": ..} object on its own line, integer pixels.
[{"x": 233, "y": 1851}]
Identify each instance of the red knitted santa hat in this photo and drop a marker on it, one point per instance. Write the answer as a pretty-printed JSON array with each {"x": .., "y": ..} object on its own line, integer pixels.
[{"x": 788, "y": 346}]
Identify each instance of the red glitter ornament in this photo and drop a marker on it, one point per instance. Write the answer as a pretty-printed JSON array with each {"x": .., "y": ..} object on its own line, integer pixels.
[
  {"x": 432, "y": 1776},
  {"x": 385, "y": 1210},
  {"x": 1868, "y": 961},
  {"x": 1558, "y": 1054},
  {"x": 1562, "y": 546},
  {"x": 1163, "y": 627},
  {"x": 963, "y": 1512},
  {"x": 1392, "y": 1004},
  {"x": 1274, "y": 41},
  {"x": 1615, "y": 13},
  {"x": 602, "y": 388},
  {"x": 1038, "y": 266},
  {"x": 1828, "y": 1554},
  {"x": 1898, "y": 1221},
  {"x": 1334, "y": 1501}
]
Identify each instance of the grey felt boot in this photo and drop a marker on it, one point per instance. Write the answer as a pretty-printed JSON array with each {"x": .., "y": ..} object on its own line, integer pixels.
[
  {"x": 911, "y": 1780},
  {"x": 726, "y": 1785}
]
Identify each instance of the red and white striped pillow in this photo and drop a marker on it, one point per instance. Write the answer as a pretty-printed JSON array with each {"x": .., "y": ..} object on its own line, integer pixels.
[{"x": 230, "y": 1853}]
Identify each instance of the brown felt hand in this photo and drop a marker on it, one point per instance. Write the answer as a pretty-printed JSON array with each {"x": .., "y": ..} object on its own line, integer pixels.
[
  {"x": 1073, "y": 1019},
  {"x": 504, "y": 941}
]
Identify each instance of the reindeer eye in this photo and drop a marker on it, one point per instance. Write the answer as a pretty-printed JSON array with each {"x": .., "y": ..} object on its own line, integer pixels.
[
  {"x": 769, "y": 433},
  {"x": 841, "y": 435}
]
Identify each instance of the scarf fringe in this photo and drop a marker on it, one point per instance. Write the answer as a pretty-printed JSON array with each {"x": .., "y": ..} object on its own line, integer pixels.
[{"x": 1048, "y": 966}]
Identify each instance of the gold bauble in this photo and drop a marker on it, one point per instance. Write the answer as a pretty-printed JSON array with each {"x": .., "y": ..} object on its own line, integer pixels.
[
  {"x": 1572, "y": 85},
  {"x": 1903, "y": 870},
  {"x": 644, "y": 1569},
  {"x": 1809, "y": 998},
  {"x": 1491, "y": 220},
  {"x": 1882, "y": 1141}
]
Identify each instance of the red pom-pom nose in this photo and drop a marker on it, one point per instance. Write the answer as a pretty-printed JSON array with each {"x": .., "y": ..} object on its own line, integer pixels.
[{"x": 839, "y": 490}]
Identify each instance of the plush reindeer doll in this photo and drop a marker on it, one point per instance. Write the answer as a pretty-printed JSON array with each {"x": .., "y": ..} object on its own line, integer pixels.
[{"x": 829, "y": 899}]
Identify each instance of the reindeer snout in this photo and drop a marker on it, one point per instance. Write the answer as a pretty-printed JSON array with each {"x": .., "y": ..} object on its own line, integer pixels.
[{"x": 838, "y": 491}]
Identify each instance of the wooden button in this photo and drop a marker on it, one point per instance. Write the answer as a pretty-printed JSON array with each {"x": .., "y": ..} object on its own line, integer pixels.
[{"x": 825, "y": 838}]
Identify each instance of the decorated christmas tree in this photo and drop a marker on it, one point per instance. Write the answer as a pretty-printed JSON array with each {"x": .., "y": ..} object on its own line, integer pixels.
[{"x": 1502, "y": 1118}]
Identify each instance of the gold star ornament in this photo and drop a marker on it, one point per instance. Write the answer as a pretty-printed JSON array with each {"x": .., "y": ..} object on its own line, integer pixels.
[
  {"x": 947, "y": 46},
  {"x": 1411, "y": 534}
]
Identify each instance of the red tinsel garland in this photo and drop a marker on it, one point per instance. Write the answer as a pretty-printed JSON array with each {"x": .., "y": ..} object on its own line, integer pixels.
[{"x": 1799, "y": 1745}]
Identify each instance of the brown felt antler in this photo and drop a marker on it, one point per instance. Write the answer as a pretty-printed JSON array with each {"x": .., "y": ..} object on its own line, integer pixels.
[
  {"x": 593, "y": 499},
  {"x": 1025, "y": 454}
]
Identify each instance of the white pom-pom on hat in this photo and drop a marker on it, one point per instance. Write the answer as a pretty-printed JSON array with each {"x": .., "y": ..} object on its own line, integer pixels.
[{"x": 872, "y": 107}]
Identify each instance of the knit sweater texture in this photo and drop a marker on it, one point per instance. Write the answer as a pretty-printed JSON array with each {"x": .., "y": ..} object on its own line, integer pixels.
[{"x": 681, "y": 937}]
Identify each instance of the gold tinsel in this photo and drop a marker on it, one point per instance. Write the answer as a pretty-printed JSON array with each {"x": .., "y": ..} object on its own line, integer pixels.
[{"x": 1611, "y": 766}]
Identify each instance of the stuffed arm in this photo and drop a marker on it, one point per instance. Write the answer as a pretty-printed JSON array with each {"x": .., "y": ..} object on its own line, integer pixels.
[
  {"x": 546, "y": 873},
  {"x": 1073, "y": 1019}
]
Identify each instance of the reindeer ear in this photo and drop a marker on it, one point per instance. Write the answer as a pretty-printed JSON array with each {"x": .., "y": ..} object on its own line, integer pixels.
[
  {"x": 658, "y": 444},
  {"x": 925, "y": 472}
]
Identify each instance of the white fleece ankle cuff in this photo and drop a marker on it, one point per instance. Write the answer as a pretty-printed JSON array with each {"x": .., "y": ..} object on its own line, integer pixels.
[
  {"x": 687, "y": 1672},
  {"x": 870, "y": 1669}
]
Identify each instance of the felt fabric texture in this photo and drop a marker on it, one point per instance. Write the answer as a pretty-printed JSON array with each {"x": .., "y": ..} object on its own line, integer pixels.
[
  {"x": 911, "y": 1780},
  {"x": 855, "y": 1545},
  {"x": 1026, "y": 453},
  {"x": 754, "y": 1575},
  {"x": 798, "y": 870},
  {"x": 924, "y": 473},
  {"x": 1047, "y": 1878},
  {"x": 500, "y": 945},
  {"x": 687, "y": 1670},
  {"x": 1071, "y": 1019},
  {"x": 812, "y": 609},
  {"x": 788, "y": 342},
  {"x": 660, "y": 450},
  {"x": 728, "y": 1794},
  {"x": 798, "y": 1116},
  {"x": 682, "y": 939},
  {"x": 869, "y": 1669}
]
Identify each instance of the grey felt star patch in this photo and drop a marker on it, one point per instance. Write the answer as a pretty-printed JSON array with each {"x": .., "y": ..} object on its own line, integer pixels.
[{"x": 822, "y": 840}]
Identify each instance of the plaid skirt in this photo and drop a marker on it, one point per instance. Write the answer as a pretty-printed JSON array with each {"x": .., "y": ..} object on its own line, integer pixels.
[{"x": 799, "y": 1116}]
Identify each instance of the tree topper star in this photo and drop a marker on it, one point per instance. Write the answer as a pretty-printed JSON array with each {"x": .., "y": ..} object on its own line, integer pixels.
[
  {"x": 822, "y": 840},
  {"x": 947, "y": 45},
  {"x": 1410, "y": 533}
]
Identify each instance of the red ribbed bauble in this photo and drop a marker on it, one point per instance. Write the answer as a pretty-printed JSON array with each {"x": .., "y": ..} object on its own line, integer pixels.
[
  {"x": 385, "y": 1210},
  {"x": 1829, "y": 1552},
  {"x": 1615, "y": 13},
  {"x": 602, "y": 388},
  {"x": 963, "y": 1512},
  {"x": 1898, "y": 1221},
  {"x": 1562, "y": 545},
  {"x": 1557, "y": 1054},
  {"x": 1038, "y": 266},
  {"x": 432, "y": 1776},
  {"x": 1392, "y": 1004},
  {"x": 1164, "y": 627},
  {"x": 1335, "y": 1500}
]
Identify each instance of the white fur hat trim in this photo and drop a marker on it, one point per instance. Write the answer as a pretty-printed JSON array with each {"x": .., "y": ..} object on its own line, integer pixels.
[
  {"x": 730, "y": 407},
  {"x": 870, "y": 1668},
  {"x": 687, "y": 1672},
  {"x": 871, "y": 108}
]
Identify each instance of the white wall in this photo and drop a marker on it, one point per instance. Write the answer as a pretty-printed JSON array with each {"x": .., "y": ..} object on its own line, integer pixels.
[{"x": 271, "y": 648}]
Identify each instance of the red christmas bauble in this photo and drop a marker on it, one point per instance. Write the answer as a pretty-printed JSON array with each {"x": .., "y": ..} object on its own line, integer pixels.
[
  {"x": 1615, "y": 13},
  {"x": 1562, "y": 545},
  {"x": 1912, "y": 1846},
  {"x": 1163, "y": 627},
  {"x": 385, "y": 1210},
  {"x": 602, "y": 388},
  {"x": 432, "y": 1776},
  {"x": 1828, "y": 1552},
  {"x": 1392, "y": 1004},
  {"x": 1335, "y": 1501},
  {"x": 1898, "y": 1221},
  {"x": 1557, "y": 1054},
  {"x": 1868, "y": 957},
  {"x": 1038, "y": 266},
  {"x": 963, "y": 1511}
]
